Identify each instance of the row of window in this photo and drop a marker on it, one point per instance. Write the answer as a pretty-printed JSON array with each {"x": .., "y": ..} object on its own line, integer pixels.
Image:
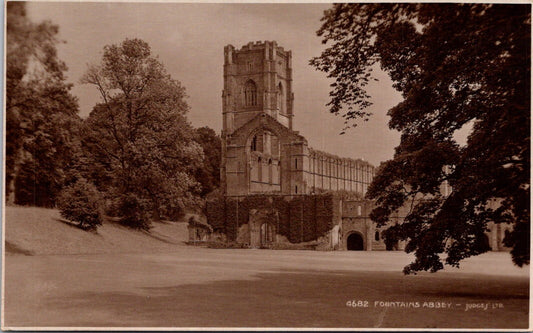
[
  {"x": 265, "y": 173},
  {"x": 364, "y": 173},
  {"x": 269, "y": 161}
]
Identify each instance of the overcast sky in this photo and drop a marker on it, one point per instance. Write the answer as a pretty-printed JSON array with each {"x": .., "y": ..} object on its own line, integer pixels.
[{"x": 189, "y": 40}]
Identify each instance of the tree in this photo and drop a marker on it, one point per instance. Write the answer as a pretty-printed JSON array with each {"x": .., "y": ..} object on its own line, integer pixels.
[
  {"x": 209, "y": 174},
  {"x": 41, "y": 113},
  {"x": 456, "y": 65},
  {"x": 81, "y": 202},
  {"x": 138, "y": 137}
]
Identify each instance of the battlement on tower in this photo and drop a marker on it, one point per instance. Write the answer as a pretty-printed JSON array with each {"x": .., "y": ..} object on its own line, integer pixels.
[
  {"x": 270, "y": 48},
  {"x": 257, "y": 46}
]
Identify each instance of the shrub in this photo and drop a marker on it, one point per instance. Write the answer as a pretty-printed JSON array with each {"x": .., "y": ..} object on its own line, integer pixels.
[
  {"x": 134, "y": 212},
  {"x": 81, "y": 202},
  {"x": 231, "y": 219},
  {"x": 216, "y": 213}
]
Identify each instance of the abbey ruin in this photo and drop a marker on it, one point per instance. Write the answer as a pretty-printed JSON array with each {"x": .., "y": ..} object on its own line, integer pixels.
[{"x": 264, "y": 157}]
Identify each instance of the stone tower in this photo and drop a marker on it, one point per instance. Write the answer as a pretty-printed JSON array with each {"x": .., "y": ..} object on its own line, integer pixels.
[
  {"x": 257, "y": 79},
  {"x": 261, "y": 152},
  {"x": 257, "y": 111}
]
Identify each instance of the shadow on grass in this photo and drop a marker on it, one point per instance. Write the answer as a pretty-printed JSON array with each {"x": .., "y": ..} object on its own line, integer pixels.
[
  {"x": 161, "y": 238},
  {"x": 116, "y": 223},
  {"x": 14, "y": 249},
  {"x": 77, "y": 226},
  {"x": 309, "y": 299}
]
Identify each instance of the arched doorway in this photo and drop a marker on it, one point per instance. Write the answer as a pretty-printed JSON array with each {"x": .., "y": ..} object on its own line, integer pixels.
[{"x": 355, "y": 242}]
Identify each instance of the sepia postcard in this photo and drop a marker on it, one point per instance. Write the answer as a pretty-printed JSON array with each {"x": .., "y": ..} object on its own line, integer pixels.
[{"x": 266, "y": 166}]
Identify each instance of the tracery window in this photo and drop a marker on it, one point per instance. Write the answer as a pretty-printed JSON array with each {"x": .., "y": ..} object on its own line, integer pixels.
[{"x": 250, "y": 93}]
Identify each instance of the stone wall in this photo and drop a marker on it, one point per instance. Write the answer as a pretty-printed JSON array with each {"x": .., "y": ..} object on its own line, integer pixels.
[
  {"x": 356, "y": 219},
  {"x": 332, "y": 173}
]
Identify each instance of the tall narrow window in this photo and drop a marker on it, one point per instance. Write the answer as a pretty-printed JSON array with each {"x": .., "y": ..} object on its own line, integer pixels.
[
  {"x": 250, "y": 93},
  {"x": 281, "y": 99},
  {"x": 296, "y": 163},
  {"x": 254, "y": 143},
  {"x": 259, "y": 169},
  {"x": 270, "y": 171}
]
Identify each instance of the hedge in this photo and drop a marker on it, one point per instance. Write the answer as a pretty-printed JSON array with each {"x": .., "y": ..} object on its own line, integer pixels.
[
  {"x": 309, "y": 216},
  {"x": 296, "y": 220},
  {"x": 301, "y": 218},
  {"x": 216, "y": 213}
]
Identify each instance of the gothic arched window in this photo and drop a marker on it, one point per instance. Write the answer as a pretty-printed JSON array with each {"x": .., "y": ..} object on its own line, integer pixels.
[{"x": 250, "y": 93}]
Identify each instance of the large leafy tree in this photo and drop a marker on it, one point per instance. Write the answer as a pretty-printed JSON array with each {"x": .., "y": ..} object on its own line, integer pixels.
[
  {"x": 41, "y": 113},
  {"x": 456, "y": 66},
  {"x": 138, "y": 138}
]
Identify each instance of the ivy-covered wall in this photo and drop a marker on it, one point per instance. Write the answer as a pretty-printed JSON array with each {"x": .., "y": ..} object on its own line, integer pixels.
[{"x": 301, "y": 218}]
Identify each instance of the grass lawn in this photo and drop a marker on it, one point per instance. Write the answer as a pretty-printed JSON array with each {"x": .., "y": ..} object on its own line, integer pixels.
[{"x": 198, "y": 287}]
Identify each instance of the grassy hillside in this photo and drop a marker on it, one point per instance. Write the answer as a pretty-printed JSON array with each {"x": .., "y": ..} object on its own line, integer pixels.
[{"x": 35, "y": 231}]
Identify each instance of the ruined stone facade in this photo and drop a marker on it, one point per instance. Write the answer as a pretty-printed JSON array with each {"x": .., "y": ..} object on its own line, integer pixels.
[{"x": 263, "y": 154}]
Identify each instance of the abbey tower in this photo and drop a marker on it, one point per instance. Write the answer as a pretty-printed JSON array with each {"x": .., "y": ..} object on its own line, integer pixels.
[
  {"x": 257, "y": 79},
  {"x": 261, "y": 152}
]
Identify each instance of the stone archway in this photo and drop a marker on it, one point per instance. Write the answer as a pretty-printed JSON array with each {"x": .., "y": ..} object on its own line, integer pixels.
[
  {"x": 262, "y": 224},
  {"x": 355, "y": 242}
]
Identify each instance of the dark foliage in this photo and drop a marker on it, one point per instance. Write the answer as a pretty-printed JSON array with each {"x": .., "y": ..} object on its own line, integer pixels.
[
  {"x": 296, "y": 222},
  {"x": 134, "y": 211},
  {"x": 301, "y": 218},
  {"x": 208, "y": 175},
  {"x": 457, "y": 66},
  {"x": 216, "y": 212},
  {"x": 81, "y": 202},
  {"x": 41, "y": 113}
]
